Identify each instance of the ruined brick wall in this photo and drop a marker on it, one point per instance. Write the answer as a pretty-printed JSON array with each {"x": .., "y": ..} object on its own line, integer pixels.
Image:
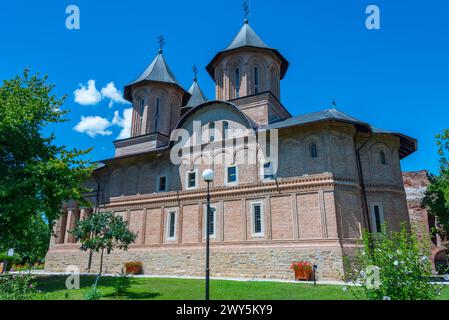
[{"x": 415, "y": 184}]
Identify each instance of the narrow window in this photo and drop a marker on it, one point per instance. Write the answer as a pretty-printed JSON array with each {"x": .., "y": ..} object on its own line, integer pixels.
[
  {"x": 225, "y": 130},
  {"x": 142, "y": 107},
  {"x": 378, "y": 217},
  {"x": 191, "y": 180},
  {"x": 212, "y": 131},
  {"x": 172, "y": 225},
  {"x": 162, "y": 184},
  {"x": 156, "y": 116},
  {"x": 256, "y": 80},
  {"x": 313, "y": 151},
  {"x": 257, "y": 219},
  {"x": 237, "y": 82},
  {"x": 212, "y": 218},
  {"x": 268, "y": 171},
  {"x": 383, "y": 159},
  {"x": 231, "y": 176}
]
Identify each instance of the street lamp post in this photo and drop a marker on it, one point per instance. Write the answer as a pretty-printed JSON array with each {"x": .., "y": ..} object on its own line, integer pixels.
[{"x": 208, "y": 176}]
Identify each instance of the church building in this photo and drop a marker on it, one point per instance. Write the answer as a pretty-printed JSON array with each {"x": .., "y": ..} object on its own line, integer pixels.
[{"x": 325, "y": 177}]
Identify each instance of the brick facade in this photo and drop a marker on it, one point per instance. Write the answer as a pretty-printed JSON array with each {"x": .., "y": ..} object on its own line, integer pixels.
[{"x": 311, "y": 209}]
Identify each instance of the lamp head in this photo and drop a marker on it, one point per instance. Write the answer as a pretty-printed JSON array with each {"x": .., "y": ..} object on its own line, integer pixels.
[{"x": 208, "y": 175}]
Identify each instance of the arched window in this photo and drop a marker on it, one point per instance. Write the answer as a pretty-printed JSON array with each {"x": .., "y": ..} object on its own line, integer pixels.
[
  {"x": 212, "y": 131},
  {"x": 383, "y": 159},
  {"x": 256, "y": 80},
  {"x": 140, "y": 112},
  {"x": 313, "y": 151},
  {"x": 237, "y": 82},
  {"x": 225, "y": 130},
  {"x": 156, "y": 114},
  {"x": 274, "y": 82}
]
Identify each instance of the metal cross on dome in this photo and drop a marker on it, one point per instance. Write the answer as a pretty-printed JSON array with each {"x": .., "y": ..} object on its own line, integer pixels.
[
  {"x": 195, "y": 71},
  {"x": 161, "y": 42},
  {"x": 245, "y": 7}
]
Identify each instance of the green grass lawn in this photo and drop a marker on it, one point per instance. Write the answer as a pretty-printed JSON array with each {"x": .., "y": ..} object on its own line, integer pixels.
[{"x": 53, "y": 288}]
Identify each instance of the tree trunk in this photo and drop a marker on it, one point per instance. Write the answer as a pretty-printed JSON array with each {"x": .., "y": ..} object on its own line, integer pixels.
[
  {"x": 90, "y": 261},
  {"x": 101, "y": 261}
]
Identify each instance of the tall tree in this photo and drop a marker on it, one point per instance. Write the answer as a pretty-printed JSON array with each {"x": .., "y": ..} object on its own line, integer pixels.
[
  {"x": 36, "y": 175},
  {"x": 103, "y": 231},
  {"x": 437, "y": 194}
]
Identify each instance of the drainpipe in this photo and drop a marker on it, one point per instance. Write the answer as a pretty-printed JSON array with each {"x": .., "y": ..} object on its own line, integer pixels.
[{"x": 361, "y": 179}]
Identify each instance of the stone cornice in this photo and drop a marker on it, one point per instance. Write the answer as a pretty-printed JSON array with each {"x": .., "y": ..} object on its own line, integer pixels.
[{"x": 298, "y": 184}]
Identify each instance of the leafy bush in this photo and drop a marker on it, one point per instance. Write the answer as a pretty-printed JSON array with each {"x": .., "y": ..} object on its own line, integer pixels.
[
  {"x": 93, "y": 294},
  {"x": 10, "y": 260},
  {"x": 121, "y": 283},
  {"x": 394, "y": 266},
  {"x": 17, "y": 287}
]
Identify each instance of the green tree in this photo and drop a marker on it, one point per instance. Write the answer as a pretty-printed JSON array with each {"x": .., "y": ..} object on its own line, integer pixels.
[
  {"x": 437, "y": 195},
  {"x": 36, "y": 175},
  {"x": 103, "y": 231},
  {"x": 33, "y": 243}
]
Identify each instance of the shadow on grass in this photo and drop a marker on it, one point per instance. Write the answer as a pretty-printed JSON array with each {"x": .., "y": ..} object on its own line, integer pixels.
[
  {"x": 57, "y": 283},
  {"x": 133, "y": 296}
]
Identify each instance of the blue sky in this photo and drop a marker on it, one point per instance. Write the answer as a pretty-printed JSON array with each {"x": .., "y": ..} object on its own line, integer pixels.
[{"x": 395, "y": 78}]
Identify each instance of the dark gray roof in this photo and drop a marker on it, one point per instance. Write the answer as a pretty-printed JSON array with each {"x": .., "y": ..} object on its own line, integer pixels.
[
  {"x": 408, "y": 145},
  {"x": 197, "y": 97},
  {"x": 157, "y": 71},
  {"x": 329, "y": 114},
  {"x": 247, "y": 37}
]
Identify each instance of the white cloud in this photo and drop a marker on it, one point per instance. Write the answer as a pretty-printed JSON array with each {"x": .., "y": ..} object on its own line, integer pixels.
[
  {"x": 97, "y": 126},
  {"x": 87, "y": 95},
  {"x": 124, "y": 123},
  {"x": 111, "y": 92},
  {"x": 93, "y": 126}
]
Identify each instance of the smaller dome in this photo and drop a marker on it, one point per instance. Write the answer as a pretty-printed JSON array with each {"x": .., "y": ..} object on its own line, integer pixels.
[
  {"x": 157, "y": 71},
  {"x": 197, "y": 97},
  {"x": 247, "y": 38}
]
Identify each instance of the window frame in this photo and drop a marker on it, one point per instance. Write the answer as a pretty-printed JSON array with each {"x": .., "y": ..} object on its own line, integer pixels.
[
  {"x": 262, "y": 219},
  {"x": 273, "y": 177},
  {"x": 175, "y": 227},
  {"x": 237, "y": 82},
  {"x": 225, "y": 130},
  {"x": 231, "y": 183},
  {"x": 211, "y": 131},
  {"x": 382, "y": 158},
  {"x": 214, "y": 234},
  {"x": 313, "y": 150},
  {"x": 188, "y": 172},
  {"x": 159, "y": 183},
  {"x": 156, "y": 114},
  {"x": 256, "y": 76},
  {"x": 374, "y": 225}
]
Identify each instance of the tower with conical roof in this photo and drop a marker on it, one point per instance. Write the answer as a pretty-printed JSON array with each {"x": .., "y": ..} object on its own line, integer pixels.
[
  {"x": 157, "y": 99},
  {"x": 248, "y": 67},
  {"x": 197, "y": 95}
]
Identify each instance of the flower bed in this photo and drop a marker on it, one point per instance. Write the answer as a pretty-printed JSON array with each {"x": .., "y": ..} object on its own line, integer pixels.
[
  {"x": 303, "y": 271},
  {"x": 134, "y": 267}
]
